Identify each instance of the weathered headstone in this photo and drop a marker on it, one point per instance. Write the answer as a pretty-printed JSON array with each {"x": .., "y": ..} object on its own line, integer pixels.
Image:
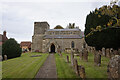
[
  {"x": 93, "y": 51},
  {"x": 100, "y": 52},
  {"x": 103, "y": 52},
  {"x": 115, "y": 52},
  {"x": 72, "y": 58},
  {"x": 81, "y": 55},
  {"x": 76, "y": 66},
  {"x": 67, "y": 59},
  {"x": 90, "y": 50},
  {"x": 81, "y": 71},
  {"x": 5, "y": 57},
  {"x": 111, "y": 52},
  {"x": 97, "y": 58},
  {"x": 119, "y": 51},
  {"x": 108, "y": 52},
  {"x": 113, "y": 68},
  {"x": 85, "y": 55}
]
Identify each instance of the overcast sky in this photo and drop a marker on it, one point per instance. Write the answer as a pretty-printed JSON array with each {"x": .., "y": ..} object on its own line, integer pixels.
[{"x": 18, "y": 16}]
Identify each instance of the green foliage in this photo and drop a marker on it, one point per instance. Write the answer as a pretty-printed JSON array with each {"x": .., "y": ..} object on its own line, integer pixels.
[
  {"x": 11, "y": 48},
  {"x": 102, "y": 27},
  {"x": 106, "y": 38},
  {"x": 58, "y": 27},
  {"x": 93, "y": 20}
]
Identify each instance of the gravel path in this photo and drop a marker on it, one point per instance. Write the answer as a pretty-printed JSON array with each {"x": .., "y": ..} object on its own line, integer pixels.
[{"x": 48, "y": 70}]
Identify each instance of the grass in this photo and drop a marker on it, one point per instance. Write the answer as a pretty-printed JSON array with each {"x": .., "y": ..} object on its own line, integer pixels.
[
  {"x": 27, "y": 67},
  {"x": 91, "y": 70},
  {"x": 64, "y": 70},
  {"x": 24, "y": 66}
]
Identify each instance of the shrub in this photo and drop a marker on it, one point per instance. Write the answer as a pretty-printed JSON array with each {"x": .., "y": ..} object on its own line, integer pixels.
[
  {"x": 58, "y": 27},
  {"x": 11, "y": 48}
]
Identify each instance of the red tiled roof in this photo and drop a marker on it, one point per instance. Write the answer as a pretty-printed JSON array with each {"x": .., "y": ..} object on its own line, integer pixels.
[
  {"x": 25, "y": 43},
  {"x": 3, "y": 38}
]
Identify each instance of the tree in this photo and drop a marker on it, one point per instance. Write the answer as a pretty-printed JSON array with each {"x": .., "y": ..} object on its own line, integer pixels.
[
  {"x": 11, "y": 48},
  {"x": 58, "y": 27},
  {"x": 102, "y": 27},
  {"x": 71, "y": 26}
]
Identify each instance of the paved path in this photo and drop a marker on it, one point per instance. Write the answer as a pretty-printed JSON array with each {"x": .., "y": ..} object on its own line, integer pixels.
[{"x": 48, "y": 70}]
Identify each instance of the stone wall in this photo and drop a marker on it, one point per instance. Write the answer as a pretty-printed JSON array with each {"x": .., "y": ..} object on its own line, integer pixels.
[
  {"x": 40, "y": 27},
  {"x": 37, "y": 39},
  {"x": 63, "y": 43}
]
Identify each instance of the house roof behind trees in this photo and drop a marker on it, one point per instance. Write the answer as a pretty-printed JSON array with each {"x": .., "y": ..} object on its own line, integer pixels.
[{"x": 25, "y": 43}]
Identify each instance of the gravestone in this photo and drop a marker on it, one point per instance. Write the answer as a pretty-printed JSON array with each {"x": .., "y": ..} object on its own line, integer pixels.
[
  {"x": 81, "y": 71},
  {"x": 103, "y": 52},
  {"x": 100, "y": 52},
  {"x": 90, "y": 50},
  {"x": 81, "y": 55},
  {"x": 93, "y": 51},
  {"x": 115, "y": 52},
  {"x": 111, "y": 52},
  {"x": 76, "y": 66},
  {"x": 113, "y": 68},
  {"x": 5, "y": 57},
  {"x": 119, "y": 51},
  {"x": 67, "y": 59},
  {"x": 97, "y": 58},
  {"x": 108, "y": 52},
  {"x": 85, "y": 55},
  {"x": 72, "y": 58}
]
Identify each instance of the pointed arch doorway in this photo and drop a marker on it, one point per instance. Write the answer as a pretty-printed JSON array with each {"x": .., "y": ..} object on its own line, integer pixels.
[{"x": 52, "y": 48}]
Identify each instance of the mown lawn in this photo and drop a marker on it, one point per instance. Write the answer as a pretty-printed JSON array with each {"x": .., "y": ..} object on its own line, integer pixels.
[
  {"x": 24, "y": 66},
  {"x": 91, "y": 70},
  {"x": 64, "y": 70}
]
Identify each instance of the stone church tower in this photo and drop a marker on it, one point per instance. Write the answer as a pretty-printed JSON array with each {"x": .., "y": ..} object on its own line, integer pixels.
[{"x": 39, "y": 31}]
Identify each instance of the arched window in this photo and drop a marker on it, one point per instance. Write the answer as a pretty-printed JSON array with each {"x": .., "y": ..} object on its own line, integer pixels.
[{"x": 72, "y": 44}]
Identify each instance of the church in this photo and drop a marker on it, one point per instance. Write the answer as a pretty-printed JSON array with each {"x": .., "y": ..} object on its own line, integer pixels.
[{"x": 48, "y": 40}]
